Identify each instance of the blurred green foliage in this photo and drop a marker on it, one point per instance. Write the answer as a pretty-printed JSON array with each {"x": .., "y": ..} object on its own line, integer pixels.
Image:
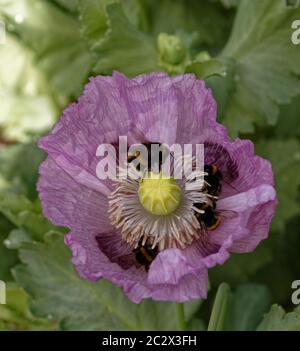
[{"x": 243, "y": 49}]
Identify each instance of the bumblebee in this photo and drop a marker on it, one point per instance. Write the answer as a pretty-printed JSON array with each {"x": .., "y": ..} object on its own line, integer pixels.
[
  {"x": 137, "y": 156},
  {"x": 141, "y": 256},
  {"x": 209, "y": 220},
  {"x": 212, "y": 180},
  {"x": 145, "y": 254}
]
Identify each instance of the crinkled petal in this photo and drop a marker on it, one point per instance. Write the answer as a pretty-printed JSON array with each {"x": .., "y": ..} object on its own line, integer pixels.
[
  {"x": 99, "y": 117},
  {"x": 170, "y": 266},
  {"x": 190, "y": 286},
  {"x": 258, "y": 224},
  {"x": 233, "y": 235},
  {"x": 68, "y": 203},
  {"x": 93, "y": 264},
  {"x": 171, "y": 110},
  {"x": 252, "y": 170}
]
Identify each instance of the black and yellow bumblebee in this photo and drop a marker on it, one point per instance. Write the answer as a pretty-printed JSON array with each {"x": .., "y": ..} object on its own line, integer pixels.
[
  {"x": 142, "y": 256},
  {"x": 209, "y": 220},
  {"x": 137, "y": 156},
  {"x": 212, "y": 178},
  {"x": 145, "y": 254}
]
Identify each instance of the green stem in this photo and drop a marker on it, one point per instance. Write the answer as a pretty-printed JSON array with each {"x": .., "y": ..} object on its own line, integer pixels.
[
  {"x": 180, "y": 316},
  {"x": 217, "y": 318}
]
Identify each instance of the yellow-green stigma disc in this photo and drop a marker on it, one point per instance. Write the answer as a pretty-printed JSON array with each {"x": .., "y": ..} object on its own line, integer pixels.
[{"x": 159, "y": 195}]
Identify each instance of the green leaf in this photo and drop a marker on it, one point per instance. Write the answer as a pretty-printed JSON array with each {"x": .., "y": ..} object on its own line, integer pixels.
[
  {"x": 240, "y": 268},
  {"x": 287, "y": 247},
  {"x": 57, "y": 291},
  {"x": 93, "y": 19},
  {"x": 278, "y": 320},
  {"x": 204, "y": 70},
  {"x": 11, "y": 205},
  {"x": 230, "y": 3},
  {"x": 288, "y": 122},
  {"x": 196, "y": 324},
  {"x": 16, "y": 238},
  {"x": 293, "y": 3},
  {"x": 218, "y": 314},
  {"x": 26, "y": 108},
  {"x": 69, "y": 5},
  {"x": 25, "y": 215},
  {"x": 21, "y": 115},
  {"x": 223, "y": 86},
  {"x": 248, "y": 305},
  {"x": 20, "y": 165},
  {"x": 285, "y": 266},
  {"x": 124, "y": 47},
  {"x": 121, "y": 43},
  {"x": 267, "y": 64},
  {"x": 285, "y": 159},
  {"x": 208, "y": 21},
  {"x": 54, "y": 36},
  {"x": 8, "y": 258},
  {"x": 15, "y": 314}
]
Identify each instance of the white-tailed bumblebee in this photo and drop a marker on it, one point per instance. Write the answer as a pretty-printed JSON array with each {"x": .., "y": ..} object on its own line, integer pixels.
[
  {"x": 145, "y": 254},
  {"x": 212, "y": 178},
  {"x": 142, "y": 256},
  {"x": 163, "y": 152},
  {"x": 209, "y": 218}
]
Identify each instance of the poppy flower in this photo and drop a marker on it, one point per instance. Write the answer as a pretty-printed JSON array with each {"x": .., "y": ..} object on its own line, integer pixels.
[{"x": 153, "y": 237}]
